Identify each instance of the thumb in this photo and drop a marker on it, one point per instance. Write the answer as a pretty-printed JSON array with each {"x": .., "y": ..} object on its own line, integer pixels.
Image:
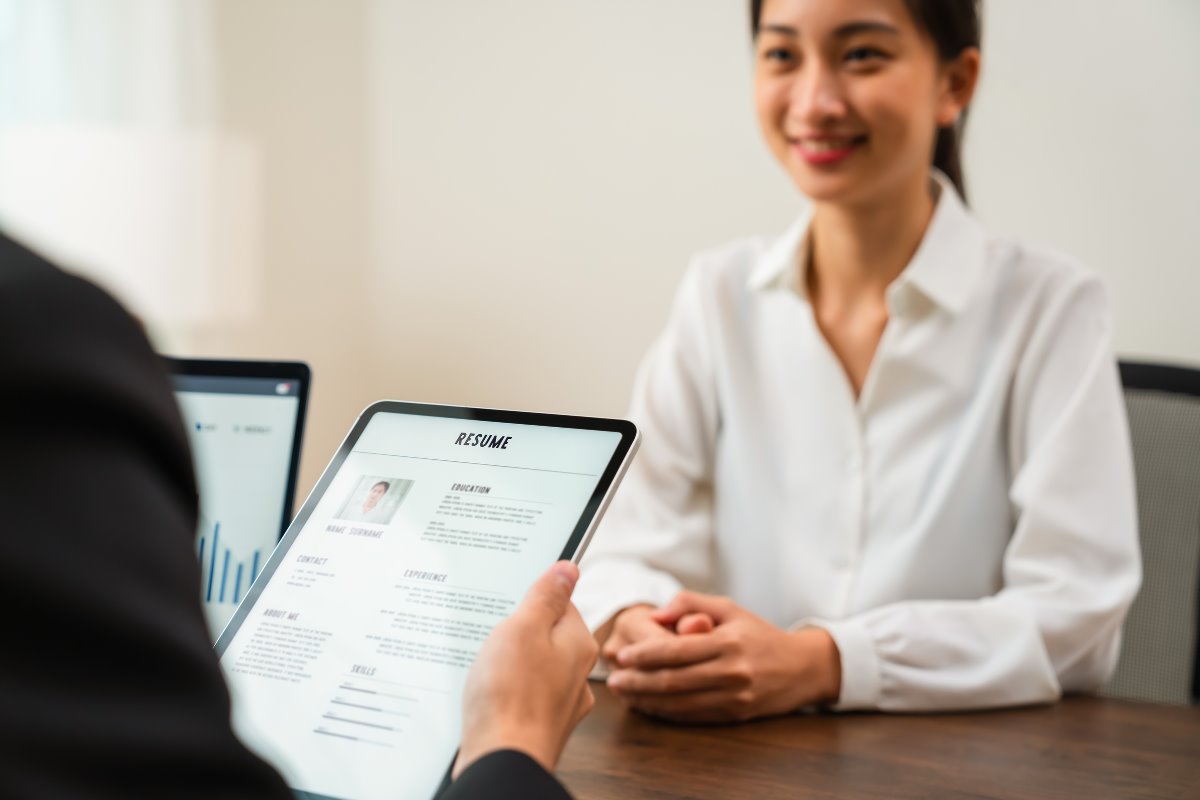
[{"x": 550, "y": 596}]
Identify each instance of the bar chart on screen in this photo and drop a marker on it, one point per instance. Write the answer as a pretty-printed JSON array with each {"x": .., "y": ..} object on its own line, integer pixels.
[
  {"x": 242, "y": 448},
  {"x": 235, "y": 576},
  {"x": 226, "y": 571}
]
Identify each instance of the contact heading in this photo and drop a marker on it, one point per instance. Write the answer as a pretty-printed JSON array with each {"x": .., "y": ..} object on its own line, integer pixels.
[{"x": 483, "y": 440}]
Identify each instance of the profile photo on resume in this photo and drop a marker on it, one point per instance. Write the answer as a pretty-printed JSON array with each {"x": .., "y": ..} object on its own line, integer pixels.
[{"x": 374, "y": 499}]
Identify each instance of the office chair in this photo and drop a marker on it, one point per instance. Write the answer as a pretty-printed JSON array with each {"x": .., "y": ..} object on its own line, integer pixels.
[{"x": 1160, "y": 651}]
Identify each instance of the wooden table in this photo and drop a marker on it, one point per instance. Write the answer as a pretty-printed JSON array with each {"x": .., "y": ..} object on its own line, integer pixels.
[{"x": 1083, "y": 747}]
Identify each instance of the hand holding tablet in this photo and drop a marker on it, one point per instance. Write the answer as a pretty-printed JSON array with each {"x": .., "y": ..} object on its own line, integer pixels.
[{"x": 528, "y": 687}]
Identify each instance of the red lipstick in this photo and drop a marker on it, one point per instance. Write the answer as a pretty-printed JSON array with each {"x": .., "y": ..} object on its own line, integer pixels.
[{"x": 830, "y": 150}]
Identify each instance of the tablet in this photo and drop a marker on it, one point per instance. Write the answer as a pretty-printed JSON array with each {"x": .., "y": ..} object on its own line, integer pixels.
[{"x": 347, "y": 658}]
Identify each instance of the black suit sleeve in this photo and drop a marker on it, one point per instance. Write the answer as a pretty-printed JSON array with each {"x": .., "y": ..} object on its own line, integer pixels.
[
  {"x": 505, "y": 775},
  {"x": 108, "y": 684}
]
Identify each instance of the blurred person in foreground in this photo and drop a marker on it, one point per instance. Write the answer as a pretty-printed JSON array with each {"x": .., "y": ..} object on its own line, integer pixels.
[{"x": 108, "y": 683}]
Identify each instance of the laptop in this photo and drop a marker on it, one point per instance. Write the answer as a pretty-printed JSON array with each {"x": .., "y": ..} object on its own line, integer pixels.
[{"x": 245, "y": 422}]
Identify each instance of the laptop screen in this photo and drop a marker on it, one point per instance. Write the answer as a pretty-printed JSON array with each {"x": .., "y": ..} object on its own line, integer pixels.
[{"x": 243, "y": 433}]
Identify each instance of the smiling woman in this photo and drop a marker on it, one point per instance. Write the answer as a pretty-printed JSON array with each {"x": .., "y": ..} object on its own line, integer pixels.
[{"x": 886, "y": 462}]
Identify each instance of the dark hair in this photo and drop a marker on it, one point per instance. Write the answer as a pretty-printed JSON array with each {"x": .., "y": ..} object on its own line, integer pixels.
[
  {"x": 384, "y": 484},
  {"x": 954, "y": 25}
]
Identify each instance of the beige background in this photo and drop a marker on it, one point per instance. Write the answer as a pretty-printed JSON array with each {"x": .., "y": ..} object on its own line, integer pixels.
[{"x": 491, "y": 203}]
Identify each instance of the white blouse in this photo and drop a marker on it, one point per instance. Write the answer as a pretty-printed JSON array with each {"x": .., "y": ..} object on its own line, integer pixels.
[{"x": 965, "y": 529}]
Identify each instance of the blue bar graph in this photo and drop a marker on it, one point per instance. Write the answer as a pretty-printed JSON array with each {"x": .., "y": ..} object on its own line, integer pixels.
[
  {"x": 213, "y": 564},
  {"x": 224, "y": 575},
  {"x": 228, "y": 586}
]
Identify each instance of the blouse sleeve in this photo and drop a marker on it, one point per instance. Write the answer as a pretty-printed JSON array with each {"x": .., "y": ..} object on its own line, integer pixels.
[
  {"x": 656, "y": 536},
  {"x": 1072, "y": 566}
]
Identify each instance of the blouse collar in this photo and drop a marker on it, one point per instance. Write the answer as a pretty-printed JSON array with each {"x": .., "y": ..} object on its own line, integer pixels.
[{"x": 945, "y": 268}]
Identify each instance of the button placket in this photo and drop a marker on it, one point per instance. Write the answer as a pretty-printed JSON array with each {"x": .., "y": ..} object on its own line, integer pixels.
[{"x": 844, "y": 558}]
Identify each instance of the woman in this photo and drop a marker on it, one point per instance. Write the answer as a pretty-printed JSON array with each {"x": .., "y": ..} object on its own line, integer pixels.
[{"x": 886, "y": 464}]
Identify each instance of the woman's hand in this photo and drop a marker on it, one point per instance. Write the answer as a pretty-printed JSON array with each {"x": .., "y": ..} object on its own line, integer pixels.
[
  {"x": 628, "y": 626},
  {"x": 743, "y": 668},
  {"x": 640, "y": 623},
  {"x": 527, "y": 689}
]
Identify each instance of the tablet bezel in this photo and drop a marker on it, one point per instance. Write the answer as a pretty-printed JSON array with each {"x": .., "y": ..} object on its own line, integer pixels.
[{"x": 271, "y": 370}]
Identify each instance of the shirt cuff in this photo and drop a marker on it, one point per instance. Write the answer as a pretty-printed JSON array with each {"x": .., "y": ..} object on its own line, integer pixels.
[{"x": 862, "y": 679}]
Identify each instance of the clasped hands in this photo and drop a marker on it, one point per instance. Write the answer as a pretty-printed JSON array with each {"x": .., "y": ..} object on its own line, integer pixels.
[{"x": 704, "y": 659}]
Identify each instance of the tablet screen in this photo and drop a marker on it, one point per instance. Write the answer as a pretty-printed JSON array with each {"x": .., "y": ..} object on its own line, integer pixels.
[{"x": 347, "y": 661}]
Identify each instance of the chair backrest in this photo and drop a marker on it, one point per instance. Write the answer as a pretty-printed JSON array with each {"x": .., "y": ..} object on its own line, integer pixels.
[{"x": 1160, "y": 650}]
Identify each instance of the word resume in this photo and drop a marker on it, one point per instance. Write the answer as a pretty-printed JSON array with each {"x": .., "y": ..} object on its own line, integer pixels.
[{"x": 347, "y": 670}]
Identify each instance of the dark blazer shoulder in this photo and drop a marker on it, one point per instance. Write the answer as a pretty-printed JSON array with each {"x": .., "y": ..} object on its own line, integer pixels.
[
  {"x": 67, "y": 348},
  {"x": 114, "y": 690}
]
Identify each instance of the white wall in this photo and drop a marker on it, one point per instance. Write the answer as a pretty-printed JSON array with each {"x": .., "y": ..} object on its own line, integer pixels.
[
  {"x": 292, "y": 81},
  {"x": 542, "y": 169},
  {"x": 1085, "y": 137},
  {"x": 491, "y": 202}
]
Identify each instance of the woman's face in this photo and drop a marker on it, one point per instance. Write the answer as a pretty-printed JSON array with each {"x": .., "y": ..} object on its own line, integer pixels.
[
  {"x": 375, "y": 495},
  {"x": 850, "y": 94}
]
